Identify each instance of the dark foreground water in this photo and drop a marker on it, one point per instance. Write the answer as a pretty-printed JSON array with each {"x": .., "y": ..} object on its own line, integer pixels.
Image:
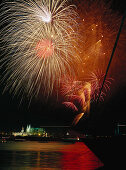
[{"x": 47, "y": 156}]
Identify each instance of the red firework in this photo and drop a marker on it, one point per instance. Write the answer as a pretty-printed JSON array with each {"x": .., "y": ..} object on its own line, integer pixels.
[
  {"x": 70, "y": 86},
  {"x": 77, "y": 101},
  {"x": 96, "y": 80},
  {"x": 44, "y": 48},
  {"x": 71, "y": 106}
]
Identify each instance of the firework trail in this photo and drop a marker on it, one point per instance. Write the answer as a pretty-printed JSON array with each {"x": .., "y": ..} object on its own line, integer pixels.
[
  {"x": 37, "y": 44},
  {"x": 85, "y": 95},
  {"x": 71, "y": 106},
  {"x": 77, "y": 118},
  {"x": 76, "y": 94}
]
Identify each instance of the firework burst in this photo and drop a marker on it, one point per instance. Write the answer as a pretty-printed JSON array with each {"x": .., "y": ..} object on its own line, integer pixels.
[
  {"x": 70, "y": 85},
  {"x": 96, "y": 80},
  {"x": 38, "y": 44},
  {"x": 76, "y": 94}
]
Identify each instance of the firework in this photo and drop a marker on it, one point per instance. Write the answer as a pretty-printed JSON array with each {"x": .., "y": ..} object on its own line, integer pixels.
[
  {"x": 71, "y": 106},
  {"x": 77, "y": 118},
  {"x": 98, "y": 28},
  {"x": 78, "y": 93},
  {"x": 77, "y": 101},
  {"x": 38, "y": 44},
  {"x": 70, "y": 86},
  {"x": 96, "y": 80}
]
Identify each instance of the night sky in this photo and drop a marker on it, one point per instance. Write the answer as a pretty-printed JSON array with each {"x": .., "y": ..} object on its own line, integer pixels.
[{"x": 102, "y": 117}]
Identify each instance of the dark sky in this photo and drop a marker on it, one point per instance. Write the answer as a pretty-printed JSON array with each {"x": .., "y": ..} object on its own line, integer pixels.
[{"x": 14, "y": 116}]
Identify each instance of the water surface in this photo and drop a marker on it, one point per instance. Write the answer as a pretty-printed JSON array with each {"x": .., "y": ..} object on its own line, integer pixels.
[{"x": 47, "y": 156}]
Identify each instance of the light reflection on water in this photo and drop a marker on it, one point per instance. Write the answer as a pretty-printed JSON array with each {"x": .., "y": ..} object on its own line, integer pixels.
[{"x": 47, "y": 156}]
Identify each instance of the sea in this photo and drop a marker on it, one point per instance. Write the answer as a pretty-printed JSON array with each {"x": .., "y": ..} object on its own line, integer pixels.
[{"x": 37, "y": 155}]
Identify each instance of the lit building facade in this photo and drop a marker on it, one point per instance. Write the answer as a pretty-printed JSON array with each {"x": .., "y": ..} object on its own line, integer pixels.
[{"x": 30, "y": 131}]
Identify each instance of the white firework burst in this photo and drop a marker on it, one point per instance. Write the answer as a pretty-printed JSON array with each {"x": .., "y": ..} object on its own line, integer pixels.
[{"x": 38, "y": 44}]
